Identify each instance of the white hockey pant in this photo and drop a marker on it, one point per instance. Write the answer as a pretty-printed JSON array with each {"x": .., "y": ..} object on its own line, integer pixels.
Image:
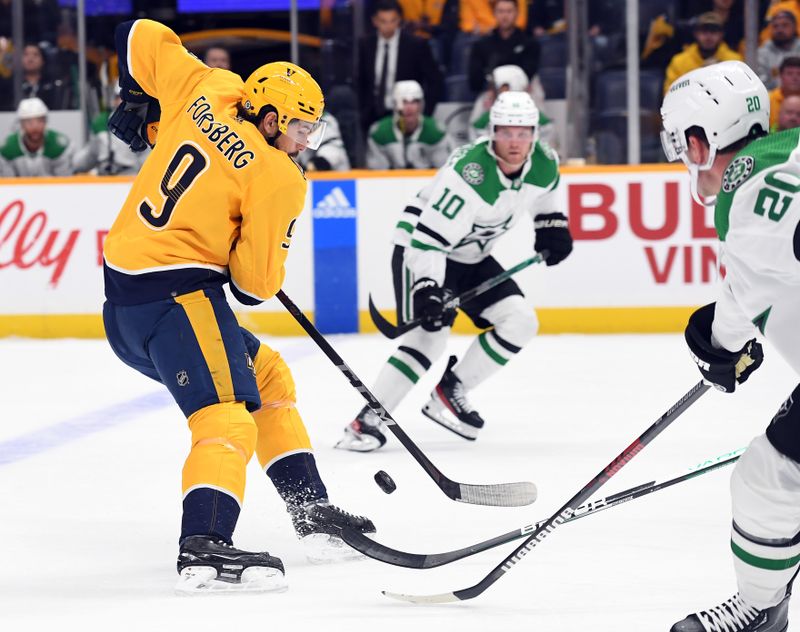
[{"x": 765, "y": 488}]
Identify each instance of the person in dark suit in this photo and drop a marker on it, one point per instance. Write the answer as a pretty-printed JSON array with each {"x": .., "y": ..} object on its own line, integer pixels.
[
  {"x": 505, "y": 45},
  {"x": 390, "y": 55}
]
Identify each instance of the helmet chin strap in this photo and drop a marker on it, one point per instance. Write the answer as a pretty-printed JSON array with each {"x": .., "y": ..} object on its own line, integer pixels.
[{"x": 694, "y": 175}]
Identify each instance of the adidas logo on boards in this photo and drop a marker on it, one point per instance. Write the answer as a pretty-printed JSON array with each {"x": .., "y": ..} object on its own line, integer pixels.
[{"x": 335, "y": 205}]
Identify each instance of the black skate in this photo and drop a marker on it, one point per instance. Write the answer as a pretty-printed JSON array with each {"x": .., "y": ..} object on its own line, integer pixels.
[
  {"x": 449, "y": 407},
  {"x": 207, "y": 564},
  {"x": 364, "y": 433},
  {"x": 736, "y": 616},
  {"x": 319, "y": 525}
]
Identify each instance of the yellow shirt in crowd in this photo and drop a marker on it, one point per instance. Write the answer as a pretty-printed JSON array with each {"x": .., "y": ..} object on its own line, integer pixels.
[
  {"x": 477, "y": 15},
  {"x": 691, "y": 59}
]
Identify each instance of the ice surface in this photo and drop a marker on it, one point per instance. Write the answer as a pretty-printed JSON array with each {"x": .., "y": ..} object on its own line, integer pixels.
[{"x": 90, "y": 464}]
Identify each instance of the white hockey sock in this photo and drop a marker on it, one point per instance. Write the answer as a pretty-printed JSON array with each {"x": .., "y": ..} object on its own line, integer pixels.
[
  {"x": 765, "y": 487},
  {"x": 407, "y": 364},
  {"x": 484, "y": 358}
]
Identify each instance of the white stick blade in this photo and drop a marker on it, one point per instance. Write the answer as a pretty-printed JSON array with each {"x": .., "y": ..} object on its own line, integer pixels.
[
  {"x": 440, "y": 598},
  {"x": 503, "y": 495}
]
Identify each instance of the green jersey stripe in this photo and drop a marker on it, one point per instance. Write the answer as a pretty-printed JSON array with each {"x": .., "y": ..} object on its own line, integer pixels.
[{"x": 421, "y": 246}]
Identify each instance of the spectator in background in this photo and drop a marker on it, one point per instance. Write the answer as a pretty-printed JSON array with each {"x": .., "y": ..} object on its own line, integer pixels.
[
  {"x": 35, "y": 150},
  {"x": 478, "y": 17},
  {"x": 506, "y": 44},
  {"x": 665, "y": 39},
  {"x": 783, "y": 43},
  {"x": 390, "y": 55},
  {"x": 407, "y": 139},
  {"x": 105, "y": 152},
  {"x": 331, "y": 155},
  {"x": 708, "y": 48},
  {"x": 422, "y": 16},
  {"x": 508, "y": 78},
  {"x": 792, "y": 6},
  {"x": 789, "y": 116},
  {"x": 789, "y": 77},
  {"x": 37, "y": 83},
  {"x": 217, "y": 57}
]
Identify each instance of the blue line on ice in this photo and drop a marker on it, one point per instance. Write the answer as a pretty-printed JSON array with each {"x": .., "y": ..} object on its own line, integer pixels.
[
  {"x": 118, "y": 413},
  {"x": 57, "y": 434}
]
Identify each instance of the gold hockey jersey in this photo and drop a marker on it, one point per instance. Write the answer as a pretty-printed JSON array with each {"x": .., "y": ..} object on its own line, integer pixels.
[{"x": 214, "y": 201}]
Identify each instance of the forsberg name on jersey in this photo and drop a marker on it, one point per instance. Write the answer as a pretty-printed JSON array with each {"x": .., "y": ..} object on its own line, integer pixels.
[{"x": 224, "y": 139}]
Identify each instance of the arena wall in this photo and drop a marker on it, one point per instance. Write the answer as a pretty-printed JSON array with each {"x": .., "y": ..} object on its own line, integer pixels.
[{"x": 644, "y": 256}]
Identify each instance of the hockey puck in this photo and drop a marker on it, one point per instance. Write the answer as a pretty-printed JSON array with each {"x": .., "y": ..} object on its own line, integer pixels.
[{"x": 385, "y": 482}]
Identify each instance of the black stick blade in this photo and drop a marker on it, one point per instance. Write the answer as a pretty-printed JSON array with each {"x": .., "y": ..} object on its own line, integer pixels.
[{"x": 383, "y": 325}]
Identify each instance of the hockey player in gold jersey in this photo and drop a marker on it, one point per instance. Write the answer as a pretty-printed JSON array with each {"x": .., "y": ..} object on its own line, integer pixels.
[{"x": 216, "y": 202}]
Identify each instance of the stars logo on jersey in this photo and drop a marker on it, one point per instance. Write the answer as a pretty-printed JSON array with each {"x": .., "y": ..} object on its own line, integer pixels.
[
  {"x": 737, "y": 172},
  {"x": 473, "y": 173},
  {"x": 482, "y": 234}
]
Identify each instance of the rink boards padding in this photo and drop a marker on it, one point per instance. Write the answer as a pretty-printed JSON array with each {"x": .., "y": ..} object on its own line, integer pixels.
[{"x": 644, "y": 255}]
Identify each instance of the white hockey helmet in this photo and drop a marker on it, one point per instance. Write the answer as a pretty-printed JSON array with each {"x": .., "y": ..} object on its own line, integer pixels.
[
  {"x": 514, "y": 109},
  {"x": 726, "y": 100},
  {"x": 510, "y": 75},
  {"x": 31, "y": 108},
  {"x": 407, "y": 91}
]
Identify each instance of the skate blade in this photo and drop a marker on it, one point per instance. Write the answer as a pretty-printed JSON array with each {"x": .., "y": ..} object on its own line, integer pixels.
[
  {"x": 322, "y": 548},
  {"x": 353, "y": 443},
  {"x": 465, "y": 431},
  {"x": 202, "y": 580}
]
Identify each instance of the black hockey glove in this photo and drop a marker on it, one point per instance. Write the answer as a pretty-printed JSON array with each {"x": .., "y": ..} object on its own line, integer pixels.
[
  {"x": 552, "y": 235},
  {"x": 136, "y": 124},
  {"x": 723, "y": 368},
  {"x": 429, "y": 299}
]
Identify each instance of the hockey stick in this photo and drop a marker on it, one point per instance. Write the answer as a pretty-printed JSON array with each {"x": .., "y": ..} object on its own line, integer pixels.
[
  {"x": 569, "y": 508},
  {"x": 497, "y": 495},
  {"x": 382, "y": 553},
  {"x": 395, "y": 331}
]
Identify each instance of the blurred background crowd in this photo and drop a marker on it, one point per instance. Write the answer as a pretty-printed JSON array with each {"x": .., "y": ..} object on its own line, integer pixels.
[{"x": 405, "y": 81}]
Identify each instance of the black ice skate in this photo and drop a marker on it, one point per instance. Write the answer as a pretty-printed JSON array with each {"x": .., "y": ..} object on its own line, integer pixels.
[
  {"x": 207, "y": 564},
  {"x": 736, "y": 616},
  {"x": 449, "y": 407},
  {"x": 319, "y": 526},
  {"x": 364, "y": 433}
]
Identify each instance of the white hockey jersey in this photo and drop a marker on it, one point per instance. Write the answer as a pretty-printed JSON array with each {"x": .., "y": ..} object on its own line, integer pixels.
[
  {"x": 469, "y": 204},
  {"x": 53, "y": 158},
  {"x": 389, "y": 148},
  {"x": 757, "y": 217},
  {"x": 107, "y": 153}
]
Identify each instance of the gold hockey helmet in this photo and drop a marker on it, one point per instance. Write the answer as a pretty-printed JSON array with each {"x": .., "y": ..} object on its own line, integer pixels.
[{"x": 294, "y": 94}]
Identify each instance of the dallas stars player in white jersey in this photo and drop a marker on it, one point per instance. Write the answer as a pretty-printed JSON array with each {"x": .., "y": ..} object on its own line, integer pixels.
[
  {"x": 716, "y": 120},
  {"x": 443, "y": 244}
]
